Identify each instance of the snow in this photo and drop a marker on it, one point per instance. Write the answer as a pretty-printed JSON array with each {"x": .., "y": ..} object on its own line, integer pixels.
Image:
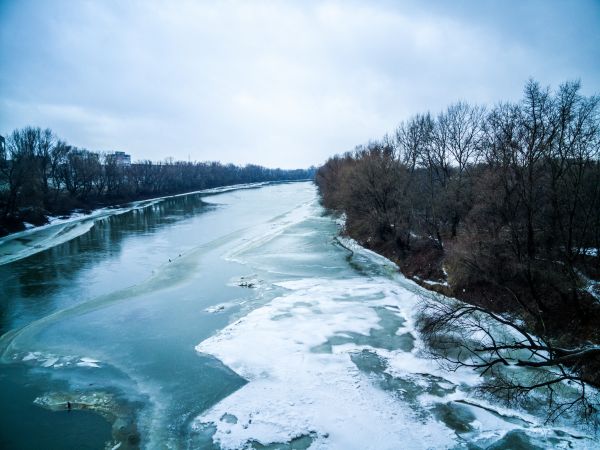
[
  {"x": 317, "y": 361},
  {"x": 294, "y": 391},
  {"x": 590, "y": 285},
  {"x": 431, "y": 282},
  {"x": 355, "y": 247},
  {"x": 48, "y": 360},
  {"x": 341, "y": 221},
  {"x": 59, "y": 230}
]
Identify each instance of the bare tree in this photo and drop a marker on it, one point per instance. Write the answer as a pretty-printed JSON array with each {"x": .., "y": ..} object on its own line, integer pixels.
[
  {"x": 413, "y": 139},
  {"x": 19, "y": 168},
  {"x": 459, "y": 132},
  {"x": 574, "y": 200},
  {"x": 372, "y": 198},
  {"x": 511, "y": 199},
  {"x": 512, "y": 361}
]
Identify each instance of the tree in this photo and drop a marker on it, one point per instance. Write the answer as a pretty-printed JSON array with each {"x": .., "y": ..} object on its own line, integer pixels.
[
  {"x": 460, "y": 132},
  {"x": 19, "y": 169},
  {"x": 514, "y": 362},
  {"x": 505, "y": 205},
  {"x": 80, "y": 172}
]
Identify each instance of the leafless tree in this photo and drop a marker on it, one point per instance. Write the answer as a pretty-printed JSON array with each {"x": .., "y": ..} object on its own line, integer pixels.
[
  {"x": 511, "y": 198},
  {"x": 459, "y": 134},
  {"x": 513, "y": 362}
]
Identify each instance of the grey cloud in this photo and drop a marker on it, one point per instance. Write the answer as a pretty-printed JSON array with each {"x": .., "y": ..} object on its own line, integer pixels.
[{"x": 280, "y": 84}]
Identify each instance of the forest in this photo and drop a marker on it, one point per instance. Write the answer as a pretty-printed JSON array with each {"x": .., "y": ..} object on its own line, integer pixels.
[
  {"x": 498, "y": 207},
  {"x": 42, "y": 175}
]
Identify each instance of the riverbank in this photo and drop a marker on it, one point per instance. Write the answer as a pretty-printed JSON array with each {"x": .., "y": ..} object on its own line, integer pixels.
[
  {"x": 29, "y": 218},
  {"x": 433, "y": 268}
]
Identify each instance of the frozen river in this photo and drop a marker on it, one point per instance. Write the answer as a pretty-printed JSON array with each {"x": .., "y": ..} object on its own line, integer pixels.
[{"x": 232, "y": 319}]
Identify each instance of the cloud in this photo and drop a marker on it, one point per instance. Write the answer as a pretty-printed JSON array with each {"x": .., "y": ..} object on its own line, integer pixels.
[{"x": 276, "y": 83}]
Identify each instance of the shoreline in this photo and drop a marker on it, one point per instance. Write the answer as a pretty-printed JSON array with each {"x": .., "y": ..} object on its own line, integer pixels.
[
  {"x": 81, "y": 213},
  {"x": 23, "y": 226},
  {"x": 22, "y": 244}
]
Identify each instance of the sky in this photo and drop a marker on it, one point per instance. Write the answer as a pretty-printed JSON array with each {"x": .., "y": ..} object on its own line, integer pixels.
[{"x": 277, "y": 83}]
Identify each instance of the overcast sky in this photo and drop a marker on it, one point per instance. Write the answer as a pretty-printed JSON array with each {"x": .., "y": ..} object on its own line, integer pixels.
[{"x": 275, "y": 83}]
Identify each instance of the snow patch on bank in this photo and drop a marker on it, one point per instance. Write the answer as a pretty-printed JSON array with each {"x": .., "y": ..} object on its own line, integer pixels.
[{"x": 431, "y": 282}]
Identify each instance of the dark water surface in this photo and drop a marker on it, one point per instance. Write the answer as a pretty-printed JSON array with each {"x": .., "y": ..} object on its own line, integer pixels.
[{"x": 116, "y": 311}]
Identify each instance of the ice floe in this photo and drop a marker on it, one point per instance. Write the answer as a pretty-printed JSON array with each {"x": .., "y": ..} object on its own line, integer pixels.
[
  {"x": 337, "y": 363},
  {"x": 48, "y": 360},
  {"x": 298, "y": 390},
  {"x": 219, "y": 307}
]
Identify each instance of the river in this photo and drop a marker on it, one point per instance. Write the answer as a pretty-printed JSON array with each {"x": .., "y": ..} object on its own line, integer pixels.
[{"x": 229, "y": 319}]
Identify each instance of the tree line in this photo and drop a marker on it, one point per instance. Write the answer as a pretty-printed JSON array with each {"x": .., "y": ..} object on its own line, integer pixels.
[
  {"x": 498, "y": 206},
  {"x": 41, "y": 174}
]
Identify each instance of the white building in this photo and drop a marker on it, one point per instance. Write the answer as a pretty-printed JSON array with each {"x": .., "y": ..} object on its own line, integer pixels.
[{"x": 121, "y": 158}]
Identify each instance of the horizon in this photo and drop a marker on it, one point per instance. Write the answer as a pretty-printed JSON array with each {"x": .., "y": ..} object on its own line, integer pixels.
[{"x": 281, "y": 86}]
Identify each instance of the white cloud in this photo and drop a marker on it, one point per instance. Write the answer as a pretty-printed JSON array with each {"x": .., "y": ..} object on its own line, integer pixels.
[{"x": 276, "y": 83}]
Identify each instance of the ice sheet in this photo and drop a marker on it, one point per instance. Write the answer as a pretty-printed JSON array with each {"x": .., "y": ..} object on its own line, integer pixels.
[
  {"x": 364, "y": 389},
  {"x": 59, "y": 230},
  {"x": 294, "y": 391}
]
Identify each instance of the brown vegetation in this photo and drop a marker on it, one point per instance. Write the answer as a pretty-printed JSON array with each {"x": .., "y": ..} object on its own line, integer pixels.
[{"x": 505, "y": 201}]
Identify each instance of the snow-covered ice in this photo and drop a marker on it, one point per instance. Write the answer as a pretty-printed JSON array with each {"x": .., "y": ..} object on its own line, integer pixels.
[
  {"x": 296, "y": 391},
  {"x": 338, "y": 363}
]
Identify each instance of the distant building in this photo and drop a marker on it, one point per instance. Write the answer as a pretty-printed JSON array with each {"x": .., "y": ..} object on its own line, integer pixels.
[
  {"x": 121, "y": 158},
  {"x": 2, "y": 148}
]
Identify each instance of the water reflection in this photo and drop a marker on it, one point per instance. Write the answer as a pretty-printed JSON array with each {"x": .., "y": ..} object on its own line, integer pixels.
[
  {"x": 143, "y": 283},
  {"x": 41, "y": 283}
]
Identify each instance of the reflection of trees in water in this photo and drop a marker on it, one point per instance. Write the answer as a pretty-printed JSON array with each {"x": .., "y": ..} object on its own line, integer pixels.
[{"x": 30, "y": 284}]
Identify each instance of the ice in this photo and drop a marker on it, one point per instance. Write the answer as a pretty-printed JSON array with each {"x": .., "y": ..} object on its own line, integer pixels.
[
  {"x": 219, "y": 307},
  {"x": 50, "y": 362},
  {"x": 271, "y": 230},
  {"x": 31, "y": 356},
  {"x": 88, "y": 362},
  {"x": 29, "y": 242},
  {"x": 235, "y": 187},
  {"x": 318, "y": 366},
  {"x": 294, "y": 391},
  {"x": 58, "y": 361},
  {"x": 62, "y": 229}
]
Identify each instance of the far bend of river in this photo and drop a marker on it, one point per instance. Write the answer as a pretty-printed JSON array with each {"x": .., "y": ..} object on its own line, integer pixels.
[{"x": 234, "y": 319}]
